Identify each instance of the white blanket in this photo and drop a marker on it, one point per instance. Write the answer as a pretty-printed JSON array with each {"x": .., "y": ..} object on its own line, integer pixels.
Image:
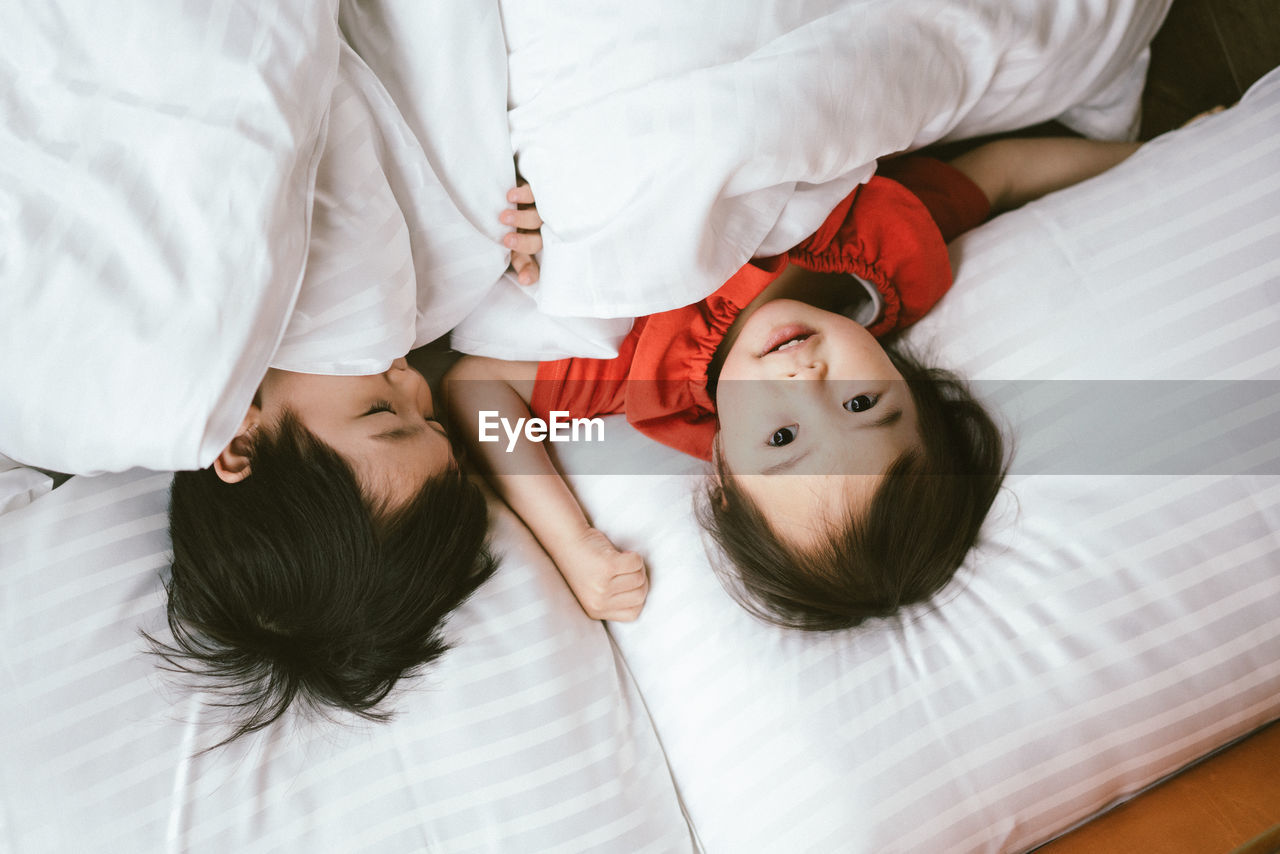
[
  {"x": 160, "y": 174},
  {"x": 155, "y": 196},
  {"x": 669, "y": 142}
]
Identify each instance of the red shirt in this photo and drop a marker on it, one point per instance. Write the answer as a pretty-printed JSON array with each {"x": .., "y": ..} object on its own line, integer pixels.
[{"x": 891, "y": 232}]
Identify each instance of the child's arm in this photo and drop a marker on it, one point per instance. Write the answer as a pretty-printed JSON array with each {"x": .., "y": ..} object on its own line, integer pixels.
[
  {"x": 609, "y": 584},
  {"x": 1015, "y": 171}
]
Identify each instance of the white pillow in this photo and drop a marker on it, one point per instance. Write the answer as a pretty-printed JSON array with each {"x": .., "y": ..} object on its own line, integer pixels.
[
  {"x": 1111, "y": 629},
  {"x": 529, "y": 735},
  {"x": 669, "y": 142},
  {"x": 158, "y": 163}
]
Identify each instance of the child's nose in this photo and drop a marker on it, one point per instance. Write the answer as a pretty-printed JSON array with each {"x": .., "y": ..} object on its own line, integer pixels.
[
  {"x": 809, "y": 369},
  {"x": 401, "y": 364}
]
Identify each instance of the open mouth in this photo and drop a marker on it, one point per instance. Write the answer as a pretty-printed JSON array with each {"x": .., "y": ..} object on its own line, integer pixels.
[{"x": 787, "y": 337}]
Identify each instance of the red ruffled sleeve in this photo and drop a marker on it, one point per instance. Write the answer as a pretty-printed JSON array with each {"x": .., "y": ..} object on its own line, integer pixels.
[
  {"x": 585, "y": 388},
  {"x": 893, "y": 232},
  {"x": 659, "y": 378}
]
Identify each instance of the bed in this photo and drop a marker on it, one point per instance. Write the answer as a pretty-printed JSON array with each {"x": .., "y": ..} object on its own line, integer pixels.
[{"x": 1115, "y": 625}]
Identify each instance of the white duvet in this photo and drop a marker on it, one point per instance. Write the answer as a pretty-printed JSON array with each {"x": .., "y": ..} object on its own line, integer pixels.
[
  {"x": 160, "y": 175},
  {"x": 155, "y": 198},
  {"x": 668, "y": 142}
]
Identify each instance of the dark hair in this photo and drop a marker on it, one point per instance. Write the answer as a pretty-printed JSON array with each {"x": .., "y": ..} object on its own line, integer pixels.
[
  {"x": 290, "y": 587},
  {"x": 909, "y": 542}
]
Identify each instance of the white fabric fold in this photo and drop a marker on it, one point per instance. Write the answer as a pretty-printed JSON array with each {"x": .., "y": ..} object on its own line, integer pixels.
[{"x": 155, "y": 189}]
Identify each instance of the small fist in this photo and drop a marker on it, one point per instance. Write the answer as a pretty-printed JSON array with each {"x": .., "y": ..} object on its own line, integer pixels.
[{"x": 609, "y": 584}]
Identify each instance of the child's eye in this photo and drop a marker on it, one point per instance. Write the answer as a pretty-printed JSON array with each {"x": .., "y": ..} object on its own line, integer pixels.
[
  {"x": 783, "y": 436},
  {"x": 860, "y": 403},
  {"x": 381, "y": 406}
]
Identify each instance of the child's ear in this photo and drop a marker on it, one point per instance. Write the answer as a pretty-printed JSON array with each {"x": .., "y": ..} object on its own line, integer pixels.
[{"x": 232, "y": 465}]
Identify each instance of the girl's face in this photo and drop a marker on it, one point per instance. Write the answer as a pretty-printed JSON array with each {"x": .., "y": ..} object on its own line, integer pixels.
[
  {"x": 383, "y": 425},
  {"x": 812, "y": 413}
]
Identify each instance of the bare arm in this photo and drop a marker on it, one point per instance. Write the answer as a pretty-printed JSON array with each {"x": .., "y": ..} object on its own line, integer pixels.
[
  {"x": 609, "y": 584},
  {"x": 1013, "y": 172}
]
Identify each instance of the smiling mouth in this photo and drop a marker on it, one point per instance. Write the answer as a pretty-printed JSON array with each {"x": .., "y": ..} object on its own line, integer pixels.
[{"x": 786, "y": 338}]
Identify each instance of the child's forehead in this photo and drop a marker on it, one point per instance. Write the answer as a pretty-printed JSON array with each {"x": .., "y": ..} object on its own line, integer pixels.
[
  {"x": 804, "y": 510},
  {"x": 392, "y": 472}
]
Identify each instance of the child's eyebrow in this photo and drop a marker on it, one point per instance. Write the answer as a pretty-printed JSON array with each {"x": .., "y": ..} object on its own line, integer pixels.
[
  {"x": 786, "y": 465},
  {"x": 889, "y": 418}
]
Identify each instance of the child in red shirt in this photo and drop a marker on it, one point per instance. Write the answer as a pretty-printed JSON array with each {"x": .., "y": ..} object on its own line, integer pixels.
[{"x": 826, "y": 498}]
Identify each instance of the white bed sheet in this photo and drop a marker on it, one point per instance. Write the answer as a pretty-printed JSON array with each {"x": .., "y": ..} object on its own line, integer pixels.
[
  {"x": 527, "y": 736},
  {"x": 20, "y": 485},
  {"x": 1111, "y": 629}
]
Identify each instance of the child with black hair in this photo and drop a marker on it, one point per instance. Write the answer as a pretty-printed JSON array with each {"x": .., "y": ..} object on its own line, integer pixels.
[
  {"x": 316, "y": 559},
  {"x": 842, "y": 497}
]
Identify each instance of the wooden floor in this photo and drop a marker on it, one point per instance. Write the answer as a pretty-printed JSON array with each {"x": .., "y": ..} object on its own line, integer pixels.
[{"x": 1207, "y": 53}]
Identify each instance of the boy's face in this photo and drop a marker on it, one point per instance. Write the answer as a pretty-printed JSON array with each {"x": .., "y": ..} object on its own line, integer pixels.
[
  {"x": 383, "y": 425},
  {"x": 812, "y": 412}
]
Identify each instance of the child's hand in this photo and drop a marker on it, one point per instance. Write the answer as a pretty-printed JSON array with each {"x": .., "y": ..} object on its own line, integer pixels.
[
  {"x": 609, "y": 584},
  {"x": 526, "y": 240}
]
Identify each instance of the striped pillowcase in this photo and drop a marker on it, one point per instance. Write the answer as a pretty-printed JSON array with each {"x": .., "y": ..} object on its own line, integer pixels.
[{"x": 527, "y": 736}]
